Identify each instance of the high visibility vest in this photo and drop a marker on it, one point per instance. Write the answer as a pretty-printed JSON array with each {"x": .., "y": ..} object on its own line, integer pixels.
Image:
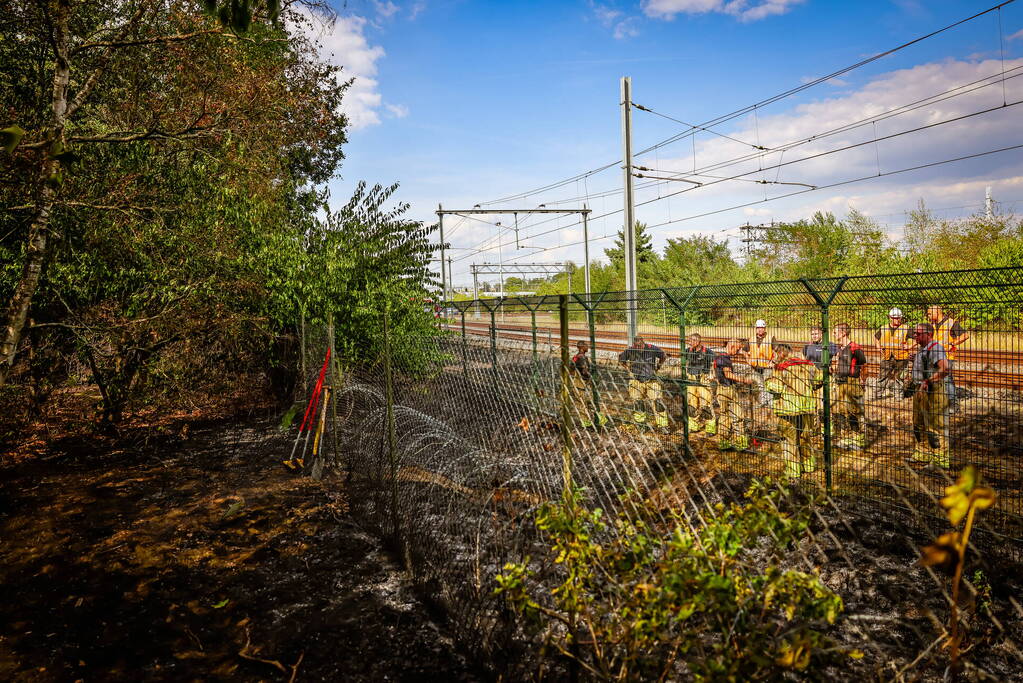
[
  {"x": 943, "y": 335},
  {"x": 761, "y": 353},
  {"x": 892, "y": 341}
]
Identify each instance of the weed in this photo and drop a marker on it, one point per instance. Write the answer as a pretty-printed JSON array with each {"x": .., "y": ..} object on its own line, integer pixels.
[
  {"x": 962, "y": 501},
  {"x": 636, "y": 598}
]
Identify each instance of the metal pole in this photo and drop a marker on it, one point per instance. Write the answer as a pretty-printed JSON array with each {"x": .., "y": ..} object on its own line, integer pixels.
[
  {"x": 586, "y": 247},
  {"x": 451, "y": 287},
  {"x": 566, "y": 412},
  {"x": 493, "y": 339},
  {"x": 826, "y": 362},
  {"x": 392, "y": 444},
  {"x": 476, "y": 291},
  {"x": 630, "y": 218},
  {"x": 443, "y": 273},
  {"x": 465, "y": 348}
]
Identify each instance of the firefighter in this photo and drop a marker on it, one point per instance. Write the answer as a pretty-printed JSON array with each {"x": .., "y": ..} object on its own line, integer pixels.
[
  {"x": 847, "y": 369},
  {"x": 643, "y": 361},
  {"x": 730, "y": 407},
  {"x": 699, "y": 360},
  {"x": 582, "y": 379},
  {"x": 951, "y": 335},
  {"x": 760, "y": 355},
  {"x": 893, "y": 345},
  {"x": 930, "y": 379},
  {"x": 814, "y": 351},
  {"x": 793, "y": 385}
]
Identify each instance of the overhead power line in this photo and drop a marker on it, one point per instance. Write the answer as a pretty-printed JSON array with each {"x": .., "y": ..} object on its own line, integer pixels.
[
  {"x": 784, "y": 196},
  {"x": 749, "y": 108},
  {"x": 741, "y": 176}
]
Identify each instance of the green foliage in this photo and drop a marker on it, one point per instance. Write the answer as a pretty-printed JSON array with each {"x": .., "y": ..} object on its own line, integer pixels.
[
  {"x": 174, "y": 254},
  {"x": 357, "y": 261},
  {"x": 644, "y": 247},
  {"x": 635, "y": 599},
  {"x": 962, "y": 501}
]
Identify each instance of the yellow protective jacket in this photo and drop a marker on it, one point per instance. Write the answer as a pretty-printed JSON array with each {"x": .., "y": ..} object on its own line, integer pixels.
[
  {"x": 761, "y": 353},
  {"x": 944, "y": 332},
  {"x": 892, "y": 342},
  {"x": 793, "y": 381}
]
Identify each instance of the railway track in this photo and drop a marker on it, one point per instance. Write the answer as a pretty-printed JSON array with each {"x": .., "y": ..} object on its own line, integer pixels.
[{"x": 974, "y": 367}]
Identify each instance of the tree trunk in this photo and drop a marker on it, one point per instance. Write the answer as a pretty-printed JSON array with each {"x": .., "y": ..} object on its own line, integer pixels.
[{"x": 37, "y": 243}]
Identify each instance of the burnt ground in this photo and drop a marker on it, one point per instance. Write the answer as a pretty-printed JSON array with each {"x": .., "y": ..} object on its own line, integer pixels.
[{"x": 196, "y": 556}]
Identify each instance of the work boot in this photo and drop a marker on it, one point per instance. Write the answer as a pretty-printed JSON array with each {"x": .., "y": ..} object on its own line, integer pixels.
[
  {"x": 694, "y": 426},
  {"x": 661, "y": 420},
  {"x": 857, "y": 442},
  {"x": 711, "y": 428},
  {"x": 809, "y": 465},
  {"x": 920, "y": 454},
  {"x": 941, "y": 459},
  {"x": 639, "y": 417},
  {"x": 725, "y": 445},
  {"x": 742, "y": 443}
]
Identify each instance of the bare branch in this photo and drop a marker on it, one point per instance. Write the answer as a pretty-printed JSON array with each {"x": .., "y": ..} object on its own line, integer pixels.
[{"x": 101, "y": 68}]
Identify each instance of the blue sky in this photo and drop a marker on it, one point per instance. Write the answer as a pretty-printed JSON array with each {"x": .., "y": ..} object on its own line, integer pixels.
[{"x": 466, "y": 102}]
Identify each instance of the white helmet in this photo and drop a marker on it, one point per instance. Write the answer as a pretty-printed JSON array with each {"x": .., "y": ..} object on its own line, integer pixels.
[
  {"x": 761, "y": 323},
  {"x": 895, "y": 313}
]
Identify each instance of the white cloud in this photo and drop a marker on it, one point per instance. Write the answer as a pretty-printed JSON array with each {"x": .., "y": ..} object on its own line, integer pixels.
[
  {"x": 885, "y": 93},
  {"x": 385, "y": 10},
  {"x": 744, "y": 10},
  {"x": 343, "y": 42},
  {"x": 622, "y": 26},
  {"x": 606, "y": 15},
  {"x": 417, "y": 9},
  {"x": 398, "y": 111}
]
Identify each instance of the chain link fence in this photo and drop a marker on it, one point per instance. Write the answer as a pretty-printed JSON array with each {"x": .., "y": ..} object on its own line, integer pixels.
[{"x": 668, "y": 404}]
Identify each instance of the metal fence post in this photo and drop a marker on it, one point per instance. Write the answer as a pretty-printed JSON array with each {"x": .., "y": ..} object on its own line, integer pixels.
[
  {"x": 683, "y": 361},
  {"x": 493, "y": 337},
  {"x": 532, "y": 327},
  {"x": 566, "y": 413},
  {"x": 825, "y": 306},
  {"x": 301, "y": 387},
  {"x": 392, "y": 445},
  {"x": 465, "y": 348},
  {"x": 335, "y": 386},
  {"x": 591, "y": 323}
]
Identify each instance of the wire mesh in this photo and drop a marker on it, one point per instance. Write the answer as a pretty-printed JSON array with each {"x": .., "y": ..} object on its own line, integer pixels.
[{"x": 671, "y": 401}]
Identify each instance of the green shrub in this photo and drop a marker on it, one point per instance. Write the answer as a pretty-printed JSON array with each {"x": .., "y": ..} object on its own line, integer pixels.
[{"x": 638, "y": 601}]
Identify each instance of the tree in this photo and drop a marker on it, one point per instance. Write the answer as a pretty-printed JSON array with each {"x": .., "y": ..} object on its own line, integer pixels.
[
  {"x": 644, "y": 249},
  {"x": 698, "y": 260},
  {"x": 177, "y": 211},
  {"x": 79, "y": 72}
]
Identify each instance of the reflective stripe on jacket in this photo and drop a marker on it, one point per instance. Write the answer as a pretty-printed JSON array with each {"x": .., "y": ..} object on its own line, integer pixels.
[
  {"x": 892, "y": 342},
  {"x": 761, "y": 353},
  {"x": 943, "y": 334},
  {"x": 794, "y": 380}
]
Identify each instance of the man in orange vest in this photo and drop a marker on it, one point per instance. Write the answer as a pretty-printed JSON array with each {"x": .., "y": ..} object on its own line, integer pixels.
[
  {"x": 950, "y": 334},
  {"x": 760, "y": 356},
  {"x": 893, "y": 343}
]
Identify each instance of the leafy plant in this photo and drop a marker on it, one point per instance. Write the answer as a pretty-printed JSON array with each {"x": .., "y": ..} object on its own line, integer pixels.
[
  {"x": 962, "y": 501},
  {"x": 633, "y": 597}
]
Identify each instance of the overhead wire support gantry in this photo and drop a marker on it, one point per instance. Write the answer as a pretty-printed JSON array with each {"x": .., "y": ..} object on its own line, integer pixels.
[{"x": 584, "y": 212}]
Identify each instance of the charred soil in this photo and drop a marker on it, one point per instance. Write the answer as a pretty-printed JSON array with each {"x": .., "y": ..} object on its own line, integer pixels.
[{"x": 195, "y": 555}]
